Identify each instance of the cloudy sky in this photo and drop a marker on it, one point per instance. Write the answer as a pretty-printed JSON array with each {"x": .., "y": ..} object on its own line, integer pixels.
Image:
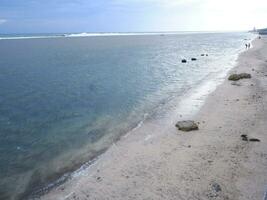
[{"x": 42, "y": 16}]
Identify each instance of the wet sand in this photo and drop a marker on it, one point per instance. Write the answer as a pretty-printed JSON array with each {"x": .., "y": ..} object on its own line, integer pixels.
[{"x": 211, "y": 163}]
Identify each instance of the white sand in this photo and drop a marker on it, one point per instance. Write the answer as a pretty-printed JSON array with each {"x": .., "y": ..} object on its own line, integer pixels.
[{"x": 164, "y": 163}]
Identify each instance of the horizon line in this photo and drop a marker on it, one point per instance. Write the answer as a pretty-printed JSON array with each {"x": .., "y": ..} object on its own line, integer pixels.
[{"x": 102, "y": 32}]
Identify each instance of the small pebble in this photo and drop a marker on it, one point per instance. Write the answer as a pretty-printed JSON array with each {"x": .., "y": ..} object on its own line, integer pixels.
[{"x": 216, "y": 187}]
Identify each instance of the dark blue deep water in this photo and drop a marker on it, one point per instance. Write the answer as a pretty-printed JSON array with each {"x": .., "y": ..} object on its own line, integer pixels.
[{"x": 65, "y": 100}]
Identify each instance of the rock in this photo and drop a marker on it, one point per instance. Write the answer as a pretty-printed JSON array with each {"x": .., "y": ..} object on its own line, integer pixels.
[
  {"x": 187, "y": 125},
  {"x": 193, "y": 59},
  {"x": 214, "y": 191},
  {"x": 207, "y": 54},
  {"x": 184, "y": 61},
  {"x": 236, "y": 77},
  {"x": 216, "y": 187},
  {"x": 244, "y": 137},
  {"x": 244, "y": 75},
  {"x": 254, "y": 140},
  {"x": 203, "y": 54}
]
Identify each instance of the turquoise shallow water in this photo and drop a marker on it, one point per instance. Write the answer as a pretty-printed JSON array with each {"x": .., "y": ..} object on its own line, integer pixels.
[{"x": 65, "y": 100}]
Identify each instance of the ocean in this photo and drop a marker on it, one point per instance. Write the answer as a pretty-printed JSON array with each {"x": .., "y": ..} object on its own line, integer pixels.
[{"x": 64, "y": 99}]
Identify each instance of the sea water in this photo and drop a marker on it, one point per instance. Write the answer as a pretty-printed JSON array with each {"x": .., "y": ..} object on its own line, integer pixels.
[{"x": 64, "y": 99}]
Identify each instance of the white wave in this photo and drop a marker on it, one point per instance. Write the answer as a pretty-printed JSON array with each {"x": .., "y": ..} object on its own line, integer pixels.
[
  {"x": 78, "y": 35},
  {"x": 27, "y": 37},
  {"x": 114, "y": 34},
  {"x": 86, "y": 34}
]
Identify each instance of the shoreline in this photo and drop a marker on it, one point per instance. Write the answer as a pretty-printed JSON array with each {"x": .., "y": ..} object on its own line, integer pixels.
[{"x": 135, "y": 168}]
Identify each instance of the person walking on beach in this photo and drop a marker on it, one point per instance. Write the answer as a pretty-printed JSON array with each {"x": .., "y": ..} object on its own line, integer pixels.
[{"x": 246, "y": 45}]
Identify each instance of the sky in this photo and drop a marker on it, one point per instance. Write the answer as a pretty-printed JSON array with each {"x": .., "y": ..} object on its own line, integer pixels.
[{"x": 68, "y": 16}]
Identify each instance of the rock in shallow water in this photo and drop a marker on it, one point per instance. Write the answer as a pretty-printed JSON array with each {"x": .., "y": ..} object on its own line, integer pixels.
[
  {"x": 236, "y": 77},
  {"x": 187, "y": 125}
]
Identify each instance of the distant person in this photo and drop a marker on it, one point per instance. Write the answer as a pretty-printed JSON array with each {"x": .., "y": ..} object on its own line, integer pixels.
[
  {"x": 259, "y": 37},
  {"x": 246, "y": 45}
]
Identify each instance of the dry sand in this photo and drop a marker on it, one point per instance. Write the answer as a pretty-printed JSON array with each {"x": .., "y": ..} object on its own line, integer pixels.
[{"x": 211, "y": 163}]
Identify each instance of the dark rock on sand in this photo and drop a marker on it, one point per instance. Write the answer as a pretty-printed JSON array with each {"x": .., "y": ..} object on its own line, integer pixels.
[
  {"x": 184, "y": 61},
  {"x": 254, "y": 140},
  {"x": 244, "y": 137},
  {"x": 245, "y": 75},
  {"x": 216, "y": 187},
  {"x": 203, "y": 54},
  {"x": 193, "y": 59},
  {"x": 214, "y": 191},
  {"x": 236, "y": 77},
  {"x": 186, "y": 125}
]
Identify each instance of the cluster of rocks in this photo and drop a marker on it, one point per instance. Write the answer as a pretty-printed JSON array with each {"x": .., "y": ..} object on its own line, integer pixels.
[
  {"x": 245, "y": 138},
  {"x": 192, "y": 59},
  {"x": 185, "y": 61},
  {"x": 236, "y": 77}
]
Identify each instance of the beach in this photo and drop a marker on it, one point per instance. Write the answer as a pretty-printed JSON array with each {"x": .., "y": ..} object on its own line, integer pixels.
[
  {"x": 159, "y": 162},
  {"x": 67, "y": 100}
]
